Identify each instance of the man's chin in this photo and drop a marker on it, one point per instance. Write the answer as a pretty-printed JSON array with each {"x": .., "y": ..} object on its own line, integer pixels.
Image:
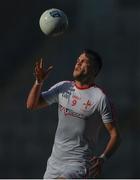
[{"x": 76, "y": 77}]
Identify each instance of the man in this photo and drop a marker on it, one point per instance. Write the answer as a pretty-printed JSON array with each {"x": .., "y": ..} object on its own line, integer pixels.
[{"x": 78, "y": 103}]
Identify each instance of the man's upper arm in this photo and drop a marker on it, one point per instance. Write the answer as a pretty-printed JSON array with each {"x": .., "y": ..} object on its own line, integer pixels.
[
  {"x": 42, "y": 103},
  {"x": 52, "y": 95},
  {"x": 112, "y": 128},
  {"x": 105, "y": 109}
]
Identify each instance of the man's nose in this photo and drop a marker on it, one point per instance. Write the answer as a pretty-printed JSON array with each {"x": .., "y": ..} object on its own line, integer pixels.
[{"x": 79, "y": 63}]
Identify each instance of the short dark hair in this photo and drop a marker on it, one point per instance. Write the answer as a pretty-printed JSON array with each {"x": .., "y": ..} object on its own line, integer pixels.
[{"x": 95, "y": 58}]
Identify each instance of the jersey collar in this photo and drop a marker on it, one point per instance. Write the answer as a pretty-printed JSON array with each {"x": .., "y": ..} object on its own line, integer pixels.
[{"x": 84, "y": 86}]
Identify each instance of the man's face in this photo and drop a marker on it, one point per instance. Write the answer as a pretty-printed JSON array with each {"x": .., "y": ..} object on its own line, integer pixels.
[{"x": 83, "y": 67}]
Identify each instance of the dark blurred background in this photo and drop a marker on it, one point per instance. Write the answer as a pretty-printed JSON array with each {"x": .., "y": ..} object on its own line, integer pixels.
[{"x": 112, "y": 27}]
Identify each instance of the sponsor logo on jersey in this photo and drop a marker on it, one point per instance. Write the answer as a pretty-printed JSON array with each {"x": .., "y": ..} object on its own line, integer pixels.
[
  {"x": 70, "y": 112},
  {"x": 66, "y": 94}
]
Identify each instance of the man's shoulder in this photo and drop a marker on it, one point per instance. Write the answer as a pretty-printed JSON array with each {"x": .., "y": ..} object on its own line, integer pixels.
[
  {"x": 64, "y": 84},
  {"x": 102, "y": 94},
  {"x": 99, "y": 91}
]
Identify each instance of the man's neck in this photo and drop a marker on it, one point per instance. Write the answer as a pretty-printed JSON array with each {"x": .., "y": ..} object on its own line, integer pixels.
[{"x": 84, "y": 84}]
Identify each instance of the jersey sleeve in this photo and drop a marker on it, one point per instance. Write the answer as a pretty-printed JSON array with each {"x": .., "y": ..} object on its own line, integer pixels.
[
  {"x": 51, "y": 96},
  {"x": 105, "y": 109}
]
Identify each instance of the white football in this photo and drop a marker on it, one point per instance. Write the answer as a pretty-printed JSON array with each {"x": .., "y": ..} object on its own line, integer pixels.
[{"x": 53, "y": 22}]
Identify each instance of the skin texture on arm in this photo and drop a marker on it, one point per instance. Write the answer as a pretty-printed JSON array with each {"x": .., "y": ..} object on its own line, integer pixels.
[
  {"x": 34, "y": 100},
  {"x": 111, "y": 147},
  {"x": 114, "y": 140}
]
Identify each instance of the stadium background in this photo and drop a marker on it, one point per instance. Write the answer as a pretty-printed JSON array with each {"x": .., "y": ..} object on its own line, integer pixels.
[{"x": 109, "y": 26}]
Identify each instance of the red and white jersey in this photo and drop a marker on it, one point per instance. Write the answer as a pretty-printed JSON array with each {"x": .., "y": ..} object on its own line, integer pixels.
[{"x": 79, "y": 110}]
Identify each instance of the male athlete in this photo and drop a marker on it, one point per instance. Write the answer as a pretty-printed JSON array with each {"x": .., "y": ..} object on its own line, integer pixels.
[{"x": 80, "y": 104}]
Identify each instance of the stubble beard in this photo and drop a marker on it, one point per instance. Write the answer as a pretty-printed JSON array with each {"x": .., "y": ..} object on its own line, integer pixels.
[
  {"x": 80, "y": 77},
  {"x": 83, "y": 78}
]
